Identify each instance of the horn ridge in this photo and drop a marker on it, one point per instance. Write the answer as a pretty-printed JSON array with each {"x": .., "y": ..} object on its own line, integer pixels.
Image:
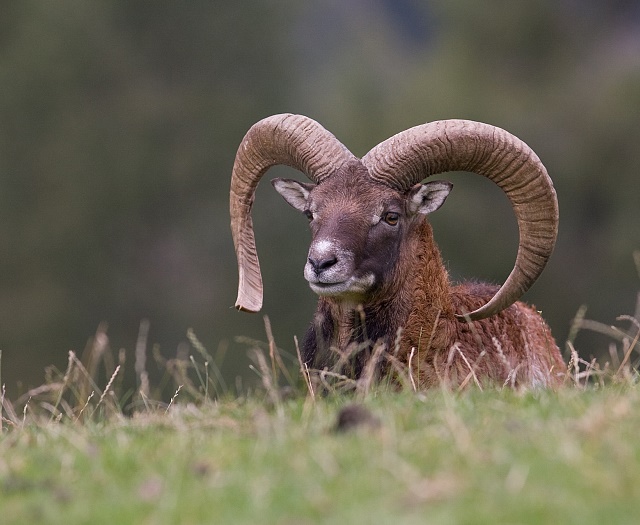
[
  {"x": 412, "y": 155},
  {"x": 292, "y": 140}
]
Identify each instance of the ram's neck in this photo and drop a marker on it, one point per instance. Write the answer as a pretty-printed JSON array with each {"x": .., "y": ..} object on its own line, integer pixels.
[{"x": 431, "y": 317}]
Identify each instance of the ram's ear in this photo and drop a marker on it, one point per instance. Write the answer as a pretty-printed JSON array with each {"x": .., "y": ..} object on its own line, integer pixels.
[
  {"x": 294, "y": 192},
  {"x": 428, "y": 197}
]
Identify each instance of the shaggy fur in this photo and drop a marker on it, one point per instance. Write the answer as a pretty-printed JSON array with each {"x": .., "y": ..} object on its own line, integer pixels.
[
  {"x": 416, "y": 311},
  {"x": 373, "y": 260}
]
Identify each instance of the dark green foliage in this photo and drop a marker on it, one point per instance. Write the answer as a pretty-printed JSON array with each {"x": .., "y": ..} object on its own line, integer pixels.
[{"x": 119, "y": 123}]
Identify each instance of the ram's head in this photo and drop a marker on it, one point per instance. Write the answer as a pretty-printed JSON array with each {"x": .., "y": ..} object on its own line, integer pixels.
[
  {"x": 358, "y": 227},
  {"x": 362, "y": 210}
]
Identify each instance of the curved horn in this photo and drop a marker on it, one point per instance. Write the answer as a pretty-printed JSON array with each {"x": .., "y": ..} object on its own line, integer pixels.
[
  {"x": 292, "y": 140},
  {"x": 461, "y": 145}
]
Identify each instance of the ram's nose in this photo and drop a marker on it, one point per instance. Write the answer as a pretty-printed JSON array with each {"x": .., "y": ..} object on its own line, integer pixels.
[{"x": 321, "y": 263}]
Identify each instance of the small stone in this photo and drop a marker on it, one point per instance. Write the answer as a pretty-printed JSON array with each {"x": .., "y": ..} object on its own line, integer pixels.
[{"x": 354, "y": 416}]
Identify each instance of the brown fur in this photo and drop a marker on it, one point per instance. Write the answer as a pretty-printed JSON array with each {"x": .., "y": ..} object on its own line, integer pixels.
[
  {"x": 414, "y": 297},
  {"x": 514, "y": 347}
]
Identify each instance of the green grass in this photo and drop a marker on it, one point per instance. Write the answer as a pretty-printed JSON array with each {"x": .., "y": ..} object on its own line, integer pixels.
[
  {"x": 82, "y": 449},
  {"x": 571, "y": 456}
]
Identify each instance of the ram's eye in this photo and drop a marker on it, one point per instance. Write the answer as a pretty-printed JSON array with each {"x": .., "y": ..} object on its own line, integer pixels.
[
  {"x": 391, "y": 218},
  {"x": 308, "y": 214}
]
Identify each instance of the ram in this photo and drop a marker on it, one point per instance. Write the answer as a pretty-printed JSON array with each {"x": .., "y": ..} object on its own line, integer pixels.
[{"x": 373, "y": 260}]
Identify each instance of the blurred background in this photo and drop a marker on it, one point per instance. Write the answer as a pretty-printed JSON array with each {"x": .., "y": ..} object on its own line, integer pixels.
[{"x": 119, "y": 123}]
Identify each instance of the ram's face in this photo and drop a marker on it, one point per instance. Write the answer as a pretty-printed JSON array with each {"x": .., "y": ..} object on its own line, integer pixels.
[{"x": 357, "y": 227}]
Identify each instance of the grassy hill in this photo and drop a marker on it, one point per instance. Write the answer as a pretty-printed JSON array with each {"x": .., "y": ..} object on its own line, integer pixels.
[{"x": 371, "y": 455}]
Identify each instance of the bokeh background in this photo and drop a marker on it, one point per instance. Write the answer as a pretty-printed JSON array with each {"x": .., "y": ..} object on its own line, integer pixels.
[{"x": 119, "y": 123}]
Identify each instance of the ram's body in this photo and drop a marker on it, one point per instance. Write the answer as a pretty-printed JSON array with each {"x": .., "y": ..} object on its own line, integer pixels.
[
  {"x": 375, "y": 265},
  {"x": 411, "y": 303},
  {"x": 513, "y": 347}
]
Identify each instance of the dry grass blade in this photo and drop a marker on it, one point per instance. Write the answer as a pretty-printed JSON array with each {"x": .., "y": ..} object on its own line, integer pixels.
[
  {"x": 93, "y": 353},
  {"x": 413, "y": 383},
  {"x": 267, "y": 379},
  {"x": 633, "y": 320},
  {"x": 173, "y": 398},
  {"x": 65, "y": 382},
  {"x": 11, "y": 416},
  {"x": 107, "y": 389},
  {"x": 219, "y": 385},
  {"x": 274, "y": 355},
  {"x": 272, "y": 347},
  {"x": 371, "y": 368},
  {"x": 85, "y": 406},
  {"x": 140, "y": 365},
  {"x": 472, "y": 373},
  {"x": 304, "y": 370},
  {"x": 627, "y": 351},
  {"x": 342, "y": 382},
  {"x": 197, "y": 344}
]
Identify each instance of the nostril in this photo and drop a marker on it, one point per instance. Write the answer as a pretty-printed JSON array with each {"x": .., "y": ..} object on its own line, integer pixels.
[
  {"x": 322, "y": 264},
  {"x": 327, "y": 263}
]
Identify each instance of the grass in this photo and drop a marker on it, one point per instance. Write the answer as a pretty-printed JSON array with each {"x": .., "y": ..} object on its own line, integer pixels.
[
  {"x": 571, "y": 456},
  {"x": 82, "y": 449}
]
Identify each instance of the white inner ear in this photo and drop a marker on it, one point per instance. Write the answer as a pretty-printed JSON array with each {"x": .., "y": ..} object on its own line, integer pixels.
[
  {"x": 294, "y": 192},
  {"x": 428, "y": 197}
]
